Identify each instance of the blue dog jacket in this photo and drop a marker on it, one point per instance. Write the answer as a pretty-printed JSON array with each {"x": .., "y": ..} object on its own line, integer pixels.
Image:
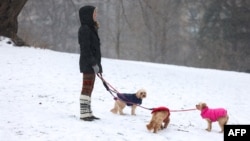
[{"x": 129, "y": 99}]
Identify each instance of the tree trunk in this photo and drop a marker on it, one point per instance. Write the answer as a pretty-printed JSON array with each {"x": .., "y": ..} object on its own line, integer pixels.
[{"x": 9, "y": 11}]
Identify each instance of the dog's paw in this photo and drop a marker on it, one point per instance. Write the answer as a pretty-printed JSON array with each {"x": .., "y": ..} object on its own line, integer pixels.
[
  {"x": 208, "y": 129},
  {"x": 113, "y": 111},
  {"x": 162, "y": 127}
]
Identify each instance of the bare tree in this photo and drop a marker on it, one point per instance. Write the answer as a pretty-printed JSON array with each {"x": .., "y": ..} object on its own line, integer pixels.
[
  {"x": 197, "y": 33},
  {"x": 9, "y": 11},
  {"x": 225, "y": 33}
]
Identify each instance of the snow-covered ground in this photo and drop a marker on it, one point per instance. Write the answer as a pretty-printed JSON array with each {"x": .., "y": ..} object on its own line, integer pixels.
[{"x": 40, "y": 89}]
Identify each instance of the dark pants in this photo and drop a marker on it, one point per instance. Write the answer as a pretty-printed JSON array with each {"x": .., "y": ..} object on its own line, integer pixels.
[{"x": 88, "y": 83}]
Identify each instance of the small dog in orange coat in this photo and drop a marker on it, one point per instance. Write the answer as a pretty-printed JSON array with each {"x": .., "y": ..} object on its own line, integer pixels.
[{"x": 160, "y": 119}]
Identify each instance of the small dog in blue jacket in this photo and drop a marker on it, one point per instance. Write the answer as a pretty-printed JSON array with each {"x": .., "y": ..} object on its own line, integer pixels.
[{"x": 124, "y": 99}]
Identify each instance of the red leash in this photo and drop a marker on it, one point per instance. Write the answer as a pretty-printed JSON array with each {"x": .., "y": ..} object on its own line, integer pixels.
[
  {"x": 182, "y": 110},
  {"x": 108, "y": 86}
]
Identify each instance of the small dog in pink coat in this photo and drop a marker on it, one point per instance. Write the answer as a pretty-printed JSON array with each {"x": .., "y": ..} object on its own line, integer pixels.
[{"x": 213, "y": 115}]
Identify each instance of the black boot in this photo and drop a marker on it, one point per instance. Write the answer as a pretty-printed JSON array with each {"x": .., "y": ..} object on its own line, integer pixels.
[{"x": 87, "y": 119}]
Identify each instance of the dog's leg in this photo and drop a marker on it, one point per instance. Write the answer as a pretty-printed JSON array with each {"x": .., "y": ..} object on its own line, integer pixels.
[
  {"x": 155, "y": 130},
  {"x": 166, "y": 122},
  {"x": 221, "y": 124},
  {"x": 133, "y": 109},
  {"x": 149, "y": 126},
  {"x": 227, "y": 119},
  {"x": 115, "y": 109},
  {"x": 162, "y": 126},
  {"x": 155, "y": 126},
  {"x": 222, "y": 121},
  {"x": 121, "y": 106},
  {"x": 209, "y": 125}
]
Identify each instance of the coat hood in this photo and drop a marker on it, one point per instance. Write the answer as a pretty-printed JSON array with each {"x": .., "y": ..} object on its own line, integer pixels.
[{"x": 86, "y": 15}]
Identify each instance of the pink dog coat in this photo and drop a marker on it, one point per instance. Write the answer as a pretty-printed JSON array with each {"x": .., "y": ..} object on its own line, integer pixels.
[{"x": 213, "y": 114}]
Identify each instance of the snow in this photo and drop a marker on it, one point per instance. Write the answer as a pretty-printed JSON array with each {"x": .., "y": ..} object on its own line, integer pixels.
[{"x": 40, "y": 89}]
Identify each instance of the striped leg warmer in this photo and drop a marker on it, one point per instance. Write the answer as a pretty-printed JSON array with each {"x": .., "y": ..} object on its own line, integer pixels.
[{"x": 85, "y": 110}]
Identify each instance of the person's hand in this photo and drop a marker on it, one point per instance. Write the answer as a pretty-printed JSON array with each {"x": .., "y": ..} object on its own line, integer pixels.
[{"x": 96, "y": 68}]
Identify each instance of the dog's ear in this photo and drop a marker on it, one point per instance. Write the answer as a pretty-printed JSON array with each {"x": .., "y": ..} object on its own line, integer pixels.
[{"x": 203, "y": 105}]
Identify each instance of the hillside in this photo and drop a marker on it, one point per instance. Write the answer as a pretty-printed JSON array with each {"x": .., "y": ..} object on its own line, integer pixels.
[{"x": 39, "y": 98}]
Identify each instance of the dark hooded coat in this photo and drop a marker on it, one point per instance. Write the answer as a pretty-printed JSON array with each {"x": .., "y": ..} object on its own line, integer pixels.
[{"x": 88, "y": 39}]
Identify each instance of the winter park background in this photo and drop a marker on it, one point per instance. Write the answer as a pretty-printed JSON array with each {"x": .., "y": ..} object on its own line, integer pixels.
[{"x": 39, "y": 98}]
